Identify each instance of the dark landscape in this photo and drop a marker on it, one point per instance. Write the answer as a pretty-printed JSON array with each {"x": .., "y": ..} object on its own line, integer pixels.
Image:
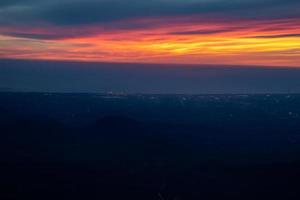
[
  {"x": 150, "y": 99},
  {"x": 119, "y": 146}
]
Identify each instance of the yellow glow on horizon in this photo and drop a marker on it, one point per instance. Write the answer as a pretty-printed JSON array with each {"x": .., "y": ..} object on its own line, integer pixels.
[{"x": 252, "y": 45}]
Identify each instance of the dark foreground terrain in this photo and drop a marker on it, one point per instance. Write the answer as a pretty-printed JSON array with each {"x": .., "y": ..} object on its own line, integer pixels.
[{"x": 148, "y": 147}]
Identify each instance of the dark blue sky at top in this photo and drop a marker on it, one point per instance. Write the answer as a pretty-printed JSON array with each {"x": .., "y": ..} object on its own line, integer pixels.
[{"x": 74, "y": 12}]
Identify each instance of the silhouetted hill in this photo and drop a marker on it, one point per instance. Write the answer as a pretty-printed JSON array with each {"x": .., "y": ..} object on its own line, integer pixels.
[
  {"x": 117, "y": 122},
  {"x": 149, "y": 146}
]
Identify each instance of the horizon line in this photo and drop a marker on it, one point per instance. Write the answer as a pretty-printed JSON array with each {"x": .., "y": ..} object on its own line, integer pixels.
[
  {"x": 202, "y": 65},
  {"x": 147, "y": 94}
]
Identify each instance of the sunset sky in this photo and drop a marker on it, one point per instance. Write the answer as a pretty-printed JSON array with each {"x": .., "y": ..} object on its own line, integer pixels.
[{"x": 235, "y": 32}]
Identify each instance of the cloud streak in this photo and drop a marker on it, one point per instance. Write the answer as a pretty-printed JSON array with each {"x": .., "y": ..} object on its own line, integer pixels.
[
  {"x": 78, "y": 12},
  {"x": 190, "y": 31}
]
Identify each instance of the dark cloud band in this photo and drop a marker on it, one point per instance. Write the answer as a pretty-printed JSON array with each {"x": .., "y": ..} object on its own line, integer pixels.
[{"x": 78, "y": 12}]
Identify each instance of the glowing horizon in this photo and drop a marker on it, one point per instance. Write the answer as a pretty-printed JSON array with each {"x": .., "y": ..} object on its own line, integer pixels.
[{"x": 180, "y": 39}]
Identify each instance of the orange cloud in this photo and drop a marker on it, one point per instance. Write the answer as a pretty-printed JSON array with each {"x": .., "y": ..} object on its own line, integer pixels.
[{"x": 163, "y": 40}]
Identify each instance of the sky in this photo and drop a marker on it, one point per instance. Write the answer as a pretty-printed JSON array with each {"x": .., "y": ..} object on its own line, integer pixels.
[
  {"x": 219, "y": 32},
  {"x": 95, "y": 77}
]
